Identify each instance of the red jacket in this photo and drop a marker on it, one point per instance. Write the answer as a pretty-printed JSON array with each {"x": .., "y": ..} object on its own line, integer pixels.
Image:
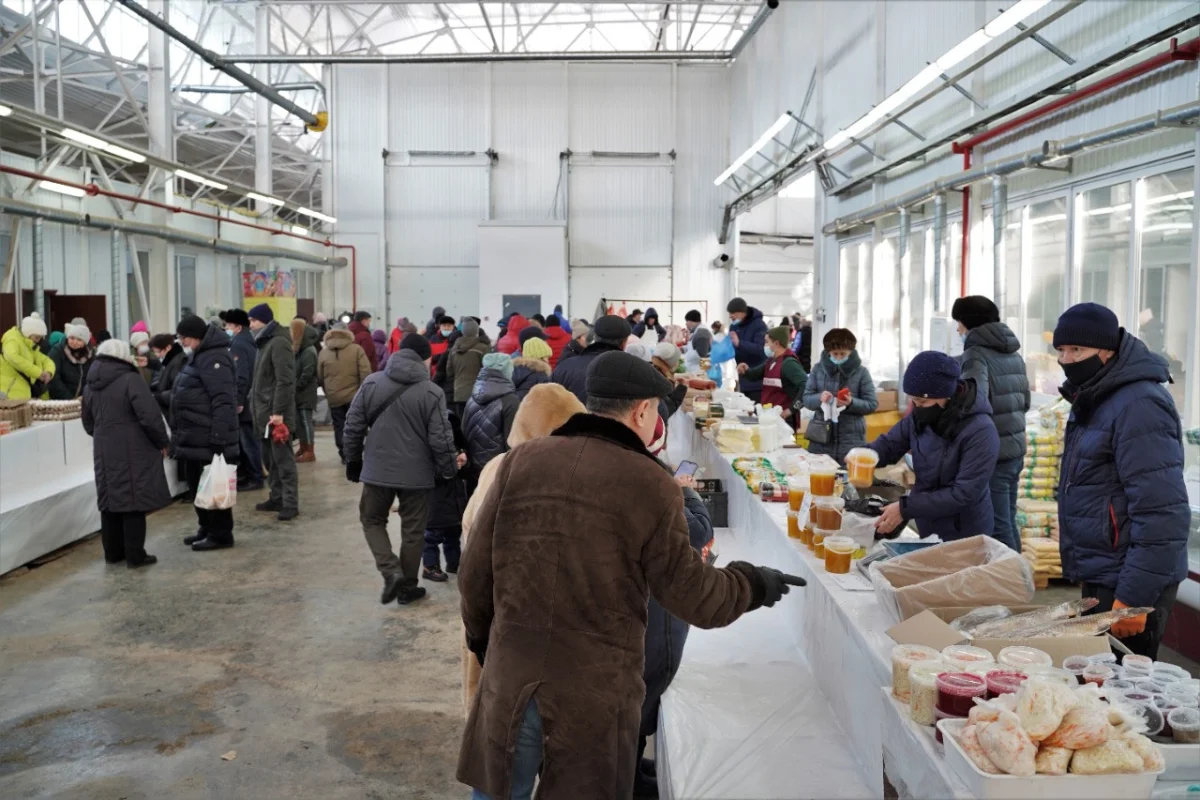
[
  {"x": 510, "y": 342},
  {"x": 362, "y": 338},
  {"x": 558, "y": 339},
  {"x": 437, "y": 345}
]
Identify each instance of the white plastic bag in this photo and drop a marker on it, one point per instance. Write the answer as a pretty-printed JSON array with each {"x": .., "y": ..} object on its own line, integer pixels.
[{"x": 218, "y": 486}]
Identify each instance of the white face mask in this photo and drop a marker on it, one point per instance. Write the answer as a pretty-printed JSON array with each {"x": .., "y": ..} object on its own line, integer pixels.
[
  {"x": 768, "y": 351},
  {"x": 447, "y": 331},
  {"x": 187, "y": 351},
  {"x": 143, "y": 349}
]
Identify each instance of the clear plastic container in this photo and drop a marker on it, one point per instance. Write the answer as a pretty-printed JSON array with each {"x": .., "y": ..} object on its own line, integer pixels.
[
  {"x": 1181, "y": 691},
  {"x": 1138, "y": 662},
  {"x": 1103, "y": 658},
  {"x": 797, "y": 488},
  {"x": 965, "y": 657},
  {"x": 1135, "y": 673},
  {"x": 1076, "y": 665},
  {"x": 838, "y": 554},
  {"x": 826, "y": 512},
  {"x": 922, "y": 679},
  {"x": 822, "y": 477},
  {"x": 903, "y": 658},
  {"x": 1152, "y": 716},
  {"x": 956, "y": 692},
  {"x": 1150, "y": 686},
  {"x": 793, "y": 525},
  {"x": 938, "y": 716},
  {"x": 818, "y": 538},
  {"x": 860, "y": 467},
  {"x": 1164, "y": 677},
  {"x": 1169, "y": 667},
  {"x": 1097, "y": 674},
  {"x": 1020, "y": 657},
  {"x": 1185, "y": 725},
  {"x": 1003, "y": 681},
  {"x": 1053, "y": 674},
  {"x": 1118, "y": 684}
]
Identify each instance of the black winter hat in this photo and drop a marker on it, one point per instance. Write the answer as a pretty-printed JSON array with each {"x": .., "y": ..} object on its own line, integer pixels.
[
  {"x": 447, "y": 320},
  {"x": 612, "y": 327},
  {"x": 737, "y": 306},
  {"x": 974, "y": 311},
  {"x": 693, "y": 316},
  {"x": 238, "y": 317},
  {"x": 192, "y": 327},
  {"x": 418, "y": 344},
  {"x": 553, "y": 322},
  {"x": 621, "y": 376},
  {"x": 931, "y": 375},
  {"x": 532, "y": 332},
  {"x": 1088, "y": 325}
]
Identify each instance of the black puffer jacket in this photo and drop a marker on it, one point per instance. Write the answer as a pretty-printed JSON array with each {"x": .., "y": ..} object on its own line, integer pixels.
[
  {"x": 164, "y": 382},
  {"x": 128, "y": 433},
  {"x": 204, "y": 402},
  {"x": 990, "y": 358},
  {"x": 572, "y": 372},
  {"x": 528, "y": 373},
  {"x": 488, "y": 418},
  {"x": 70, "y": 371}
]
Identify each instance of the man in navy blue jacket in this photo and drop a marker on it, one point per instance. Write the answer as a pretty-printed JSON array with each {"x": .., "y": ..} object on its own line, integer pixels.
[
  {"x": 748, "y": 333},
  {"x": 1122, "y": 505}
]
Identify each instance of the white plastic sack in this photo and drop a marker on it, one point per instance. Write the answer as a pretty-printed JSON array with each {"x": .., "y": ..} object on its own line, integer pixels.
[
  {"x": 218, "y": 486},
  {"x": 859, "y": 528}
]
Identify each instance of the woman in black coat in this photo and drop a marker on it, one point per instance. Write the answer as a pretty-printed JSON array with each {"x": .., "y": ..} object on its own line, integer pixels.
[
  {"x": 72, "y": 357},
  {"x": 129, "y": 441},
  {"x": 170, "y": 353},
  {"x": 204, "y": 419}
]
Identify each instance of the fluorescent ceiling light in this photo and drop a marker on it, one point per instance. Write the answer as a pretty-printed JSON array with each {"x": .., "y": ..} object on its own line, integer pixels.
[
  {"x": 741, "y": 160},
  {"x": 1168, "y": 227},
  {"x": 1166, "y": 198},
  {"x": 803, "y": 188},
  {"x": 317, "y": 215},
  {"x": 200, "y": 179},
  {"x": 5, "y": 111},
  {"x": 1093, "y": 212},
  {"x": 1047, "y": 218},
  {"x": 1012, "y": 16},
  {"x": 84, "y": 139},
  {"x": 302, "y": 231},
  {"x": 966, "y": 47},
  {"x": 121, "y": 152},
  {"x": 262, "y": 198},
  {"x": 61, "y": 189}
]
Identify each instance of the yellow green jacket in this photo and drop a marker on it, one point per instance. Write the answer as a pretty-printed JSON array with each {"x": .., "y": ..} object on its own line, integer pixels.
[{"x": 20, "y": 359}]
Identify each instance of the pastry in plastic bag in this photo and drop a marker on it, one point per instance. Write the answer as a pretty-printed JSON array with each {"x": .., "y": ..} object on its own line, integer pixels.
[
  {"x": 969, "y": 739},
  {"x": 1152, "y": 757},
  {"x": 1041, "y": 706},
  {"x": 1008, "y": 746},
  {"x": 1082, "y": 727},
  {"x": 1052, "y": 760},
  {"x": 1111, "y": 758}
]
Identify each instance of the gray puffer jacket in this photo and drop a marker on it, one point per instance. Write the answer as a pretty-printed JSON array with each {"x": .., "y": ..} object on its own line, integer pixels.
[
  {"x": 411, "y": 443},
  {"x": 851, "y": 428},
  {"x": 489, "y": 416},
  {"x": 990, "y": 358}
]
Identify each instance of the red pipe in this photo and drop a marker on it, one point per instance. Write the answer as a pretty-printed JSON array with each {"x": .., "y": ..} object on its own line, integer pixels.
[
  {"x": 1175, "y": 52},
  {"x": 93, "y": 191}
]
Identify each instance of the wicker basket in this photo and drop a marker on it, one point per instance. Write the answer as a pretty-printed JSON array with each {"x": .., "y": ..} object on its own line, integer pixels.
[{"x": 17, "y": 412}]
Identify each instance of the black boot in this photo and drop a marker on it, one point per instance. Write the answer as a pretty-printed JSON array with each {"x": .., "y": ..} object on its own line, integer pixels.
[
  {"x": 435, "y": 574},
  {"x": 645, "y": 787},
  {"x": 391, "y": 585},
  {"x": 199, "y": 535},
  {"x": 211, "y": 543},
  {"x": 288, "y": 514},
  {"x": 406, "y": 596},
  {"x": 147, "y": 561},
  {"x": 268, "y": 505}
]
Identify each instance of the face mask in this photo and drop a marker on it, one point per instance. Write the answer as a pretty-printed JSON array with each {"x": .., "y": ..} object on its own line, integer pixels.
[
  {"x": 447, "y": 331},
  {"x": 229, "y": 333},
  {"x": 187, "y": 351},
  {"x": 769, "y": 352},
  {"x": 839, "y": 361},
  {"x": 143, "y": 349},
  {"x": 926, "y": 416},
  {"x": 1081, "y": 372},
  {"x": 963, "y": 336}
]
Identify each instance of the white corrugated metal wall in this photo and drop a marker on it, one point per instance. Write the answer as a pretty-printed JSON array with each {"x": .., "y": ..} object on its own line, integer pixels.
[{"x": 625, "y": 214}]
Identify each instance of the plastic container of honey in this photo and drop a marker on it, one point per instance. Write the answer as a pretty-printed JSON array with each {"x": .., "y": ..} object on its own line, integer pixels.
[
  {"x": 821, "y": 479},
  {"x": 797, "y": 488},
  {"x": 806, "y": 534},
  {"x": 860, "y": 467},
  {"x": 819, "y": 535},
  {"x": 838, "y": 550},
  {"x": 793, "y": 525},
  {"x": 827, "y": 512}
]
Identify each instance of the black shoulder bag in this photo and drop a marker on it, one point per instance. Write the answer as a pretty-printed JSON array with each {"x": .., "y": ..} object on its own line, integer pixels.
[{"x": 391, "y": 401}]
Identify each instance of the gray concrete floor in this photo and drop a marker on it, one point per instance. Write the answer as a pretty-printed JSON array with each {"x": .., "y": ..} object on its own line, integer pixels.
[{"x": 118, "y": 683}]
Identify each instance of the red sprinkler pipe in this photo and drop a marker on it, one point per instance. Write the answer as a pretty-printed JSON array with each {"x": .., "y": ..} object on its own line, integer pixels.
[
  {"x": 966, "y": 230},
  {"x": 93, "y": 190},
  {"x": 1175, "y": 52}
]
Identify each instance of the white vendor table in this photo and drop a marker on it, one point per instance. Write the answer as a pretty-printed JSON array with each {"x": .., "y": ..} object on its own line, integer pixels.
[
  {"x": 48, "y": 490},
  {"x": 842, "y": 635}
]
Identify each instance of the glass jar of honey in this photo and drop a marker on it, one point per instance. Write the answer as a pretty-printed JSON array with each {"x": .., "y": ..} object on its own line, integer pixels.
[
  {"x": 797, "y": 487},
  {"x": 821, "y": 479},
  {"x": 860, "y": 466},
  {"x": 838, "y": 550},
  {"x": 793, "y": 526},
  {"x": 827, "y": 512},
  {"x": 818, "y": 538}
]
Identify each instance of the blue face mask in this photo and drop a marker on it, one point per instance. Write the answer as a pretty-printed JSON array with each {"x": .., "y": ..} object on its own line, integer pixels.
[
  {"x": 963, "y": 336},
  {"x": 229, "y": 333},
  {"x": 839, "y": 361},
  {"x": 768, "y": 351}
]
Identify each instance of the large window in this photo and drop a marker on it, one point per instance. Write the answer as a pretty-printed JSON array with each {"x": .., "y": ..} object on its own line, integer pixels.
[
  {"x": 185, "y": 281},
  {"x": 1103, "y": 223},
  {"x": 133, "y": 298},
  {"x": 855, "y": 291},
  {"x": 1043, "y": 287}
]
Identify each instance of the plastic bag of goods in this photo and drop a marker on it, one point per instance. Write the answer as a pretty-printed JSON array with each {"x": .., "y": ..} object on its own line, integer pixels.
[
  {"x": 218, "y": 486},
  {"x": 1007, "y": 745}
]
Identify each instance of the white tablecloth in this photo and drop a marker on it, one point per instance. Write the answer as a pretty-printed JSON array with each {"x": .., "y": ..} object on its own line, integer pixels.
[{"x": 842, "y": 634}]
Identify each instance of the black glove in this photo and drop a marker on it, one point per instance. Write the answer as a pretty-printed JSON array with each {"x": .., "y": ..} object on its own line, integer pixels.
[
  {"x": 767, "y": 585},
  {"x": 478, "y": 647},
  {"x": 353, "y": 471}
]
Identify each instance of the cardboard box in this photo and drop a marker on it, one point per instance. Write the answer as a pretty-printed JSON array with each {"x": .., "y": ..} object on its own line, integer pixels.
[
  {"x": 979, "y": 571},
  {"x": 931, "y": 629},
  {"x": 889, "y": 400}
]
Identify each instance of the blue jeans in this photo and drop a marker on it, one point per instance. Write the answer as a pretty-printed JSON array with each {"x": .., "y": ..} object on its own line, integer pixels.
[
  {"x": 1003, "y": 487},
  {"x": 527, "y": 758}
]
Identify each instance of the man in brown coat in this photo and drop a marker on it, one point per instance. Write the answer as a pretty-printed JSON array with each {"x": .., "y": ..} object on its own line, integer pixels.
[
  {"x": 554, "y": 582},
  {"x": 342, "y": 366}
]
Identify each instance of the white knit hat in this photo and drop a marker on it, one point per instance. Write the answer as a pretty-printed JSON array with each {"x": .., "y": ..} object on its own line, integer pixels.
[
  {"x": 77, "y": 331},
  {"x": 669, "y": 354},
  {"x": 138, "y": 338},
  {"x": 33, "y": 325},
  {"x": 114, "y": 348}
]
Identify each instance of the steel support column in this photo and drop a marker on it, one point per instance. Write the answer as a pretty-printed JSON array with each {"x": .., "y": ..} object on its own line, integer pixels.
[
  {"x": 999, "y": 224},
  {"x": 117, "y": 278},
  {"x": 159, "y": 295},
  {"x": 904, "y": 262},
  {"x": 39, "y": 268},
  {"x": 262, "y": 107},
  {"x": 939, "y": 249}
]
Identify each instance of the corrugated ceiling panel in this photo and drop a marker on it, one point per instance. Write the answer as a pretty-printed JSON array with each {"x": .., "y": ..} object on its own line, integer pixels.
[
  {"x": 620, "y": 215},
  {"x": 433, "y": 214},
  {"x": 529, "y": 116},
  {"x": 437, "y": 107},
  {"x": 619, "y": 107}
]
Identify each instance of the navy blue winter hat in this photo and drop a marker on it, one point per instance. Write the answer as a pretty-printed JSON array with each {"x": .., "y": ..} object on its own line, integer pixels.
[
  {"x": 1088, "y": 325},
  {"x": 263, "y": 313},
  {"x": 931, "y": 375}
]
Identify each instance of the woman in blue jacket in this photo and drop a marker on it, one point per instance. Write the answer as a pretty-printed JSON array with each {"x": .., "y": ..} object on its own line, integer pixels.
[
  {"x": 748, "y": 333},
  {"x": 840, "y": 367},
  {"x": 954, "y": 446},
  {"x": 1122, "y": 505}
]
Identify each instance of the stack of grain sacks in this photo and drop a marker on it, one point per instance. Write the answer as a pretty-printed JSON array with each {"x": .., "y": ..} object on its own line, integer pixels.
[{"x": 1037, "y": 503}]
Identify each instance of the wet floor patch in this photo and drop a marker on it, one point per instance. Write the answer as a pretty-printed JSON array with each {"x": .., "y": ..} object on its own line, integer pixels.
[{"x": 408, "y": 747}]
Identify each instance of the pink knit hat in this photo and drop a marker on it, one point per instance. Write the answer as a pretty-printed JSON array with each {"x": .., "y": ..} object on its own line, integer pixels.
[{"x": 139, "y": 326}]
